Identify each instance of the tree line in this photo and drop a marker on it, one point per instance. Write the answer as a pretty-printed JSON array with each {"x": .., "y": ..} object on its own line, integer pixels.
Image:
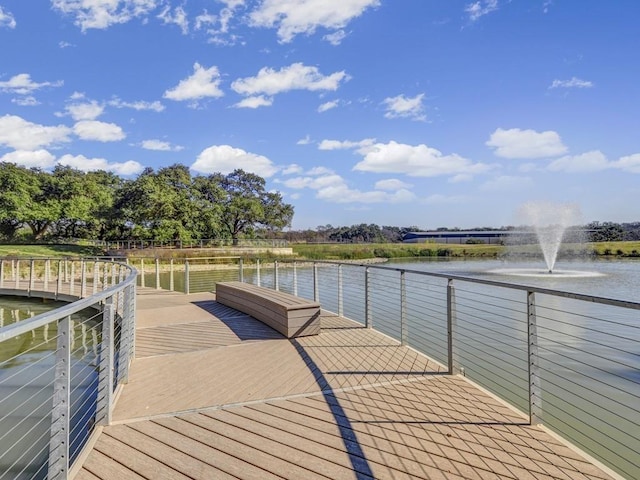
[{"x": 167, "y": 204}]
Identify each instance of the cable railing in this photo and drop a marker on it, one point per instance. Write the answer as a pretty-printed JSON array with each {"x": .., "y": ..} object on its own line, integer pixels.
[
  {"x": 60, "y": 371},
  {"x": 569, "y": 362}
]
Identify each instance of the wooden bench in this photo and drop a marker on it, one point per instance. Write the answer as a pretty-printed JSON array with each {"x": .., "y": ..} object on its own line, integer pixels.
[{"x": 290, "y": 315}]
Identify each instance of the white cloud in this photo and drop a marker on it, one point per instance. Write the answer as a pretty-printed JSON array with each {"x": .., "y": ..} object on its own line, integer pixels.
[
  {"x": 139, "y": 105},
  {"x": 304, "y": 141},
  {"x": 392, "y": 184},
  {"x": 294, "y": 77},
  {"x": 205, "y": 82},
  {"x": 25, "y": 101},
  {"x": 101, "y": 14},
  {"x": 593, "y": 161},
  {"x": 336, "y": 37},
  {"x": 516, "y": 143},
  {"x": 573, "y": 83},
  {"x": 331, "y": 187},
  {"x": 415, "y": 161},
  {"x": 292, "y": 169},
  {"x": 22, "y": 84},
  {"x": 345, "y": 144},
  {"x": 507, "y": 183},
  {"x": 256, "y": 101},
  {"x": 6, "y": 19},
  {"x": 225, "y": 159},
  {"x": 85, "y": 111},
  {"x": 100, "y": 131},
  {"x": 160, "y": 146},
  {"x": 18, "y": 133},
  {"x": 328, "y": 105},
  {"x": 177, "y": 17},
  {"x": 439, "y": 199},
  {"x": 295, "y": 17},
  {"x": 30, "y": 159},
  {"x": 405, "y": 107},
  {"x": 630, "y": 163},
  {"x": 63, "y": 44},
  {"x": 80, "y": 162},
  {"x": 480, "y": 8}
]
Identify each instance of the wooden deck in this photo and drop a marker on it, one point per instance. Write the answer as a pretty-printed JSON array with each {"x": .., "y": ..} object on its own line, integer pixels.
[{"x": 208, "y": 398}]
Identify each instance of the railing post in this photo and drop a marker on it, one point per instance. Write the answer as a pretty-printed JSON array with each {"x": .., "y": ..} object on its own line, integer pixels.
[
  {"x": 126, "y": 335},
  {"x": 171, "y": 279},
  {"x": 367, "y": 299},
  {"x": 295, "y": 278},
  {"x": 404, "y": 334},
  {"x": 241, "y": 270},
  {"x": 31, "y": 274},
  {"x": 535, "y": 388},
  {"x": 61, "y": 409},
  {"x": 105, "y": 276},
  {"x": 96, "y": 275},
  {"x": 83, "y": 279},
  {"x": 157, "y": 273},
  {"x": 47, "y": 274},
  {"x": 340, "y": 297},
  {"x": 276, "y": 280},
  {"x": 72, "y": 284},
  {"x": 316, "y": 284},
  {"x": 451, "y": 322},
  {"x": 186, "y": 276},
  {"x": 17, "y": 274},
  {"x": 1, "y": 273},
  {"x": 105, "y": 373},
  {"x": 258, "y": 272},
  {"x": 142, "y": 273},
  {"x": 59, "y": 279}
]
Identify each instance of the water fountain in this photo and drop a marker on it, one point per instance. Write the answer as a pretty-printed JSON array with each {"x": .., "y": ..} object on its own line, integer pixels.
[{"x": 550, "y": 223}]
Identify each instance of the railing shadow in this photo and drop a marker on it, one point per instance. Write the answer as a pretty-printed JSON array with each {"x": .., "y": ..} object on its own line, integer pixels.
[{"x": 242, "y": 325}]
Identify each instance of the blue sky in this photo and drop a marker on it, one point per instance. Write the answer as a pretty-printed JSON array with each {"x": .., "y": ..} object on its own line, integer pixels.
[{"x": 428, "y": 113}]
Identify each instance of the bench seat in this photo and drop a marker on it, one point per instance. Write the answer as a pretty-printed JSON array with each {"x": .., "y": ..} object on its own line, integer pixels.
[{"x": 290, "y": 315}]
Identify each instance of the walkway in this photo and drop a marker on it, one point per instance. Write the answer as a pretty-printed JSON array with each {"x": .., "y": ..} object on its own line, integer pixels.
[{"x": 214, "y": 394}]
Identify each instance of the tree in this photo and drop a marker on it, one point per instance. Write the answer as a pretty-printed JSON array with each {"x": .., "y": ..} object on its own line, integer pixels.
[{"x": 246, "y": 205}]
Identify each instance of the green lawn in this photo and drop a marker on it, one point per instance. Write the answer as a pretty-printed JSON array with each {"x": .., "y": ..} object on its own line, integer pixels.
[{"x": 49, "y": 251}]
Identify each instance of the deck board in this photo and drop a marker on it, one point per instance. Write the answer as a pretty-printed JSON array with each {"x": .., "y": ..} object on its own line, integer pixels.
[{"x": 217, "y": 394}]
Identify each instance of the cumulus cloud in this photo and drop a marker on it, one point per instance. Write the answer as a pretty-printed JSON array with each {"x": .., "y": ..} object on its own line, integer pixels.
[
  {"x": 101, "y": 14},
  {"x": 22, "y": 84},
  {"x": 18, "y": 133},
  {"x": 405, "y": 107},
  {"x": 336, "y": 37},
  {"x": 345, "y": 144},
  {"x": 328, "y": 105},
  {"x": 333, "y": 188},
  {"x": 516, "y": 143},
  {"x": 294, "y": 77},
  {"x": 593, "y": 161},
  {"x": 225, "y": 159},
  {"x": 177, "y": 16},
  {"x": 255, "y": 102},
  {"x": 629, "y": 163},
  {"x": 415, "y": 161},
  {"x": 295, "y": 17},
  {"x": 137, "y": 105},
  {"x": 480, "y": 9},
  {"x": 292, "y": 169},
  {"x": 30, "y": 159},
  {"x": 304, "y": 141},
  {"x": 85, "y": 111},
  {"x": 204, "y": 83},
  {"x": 392, "y": 184},
  {"x": 572, "y": 83},
  {"x": 25, "y": 101},
  {"x": 161, "y": 146},
  {"x": 6, "y": 19},
  {"x": 80, "y": 162},
  {"x": 99, "y": 131}
]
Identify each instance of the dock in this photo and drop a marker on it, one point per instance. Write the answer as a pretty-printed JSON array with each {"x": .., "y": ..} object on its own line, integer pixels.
[{"x": 215, "y": 394}]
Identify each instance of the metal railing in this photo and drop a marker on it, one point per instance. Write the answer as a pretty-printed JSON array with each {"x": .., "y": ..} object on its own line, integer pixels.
[
  {"x": 569, "y": 362},
  {"x": 61, "y": 370},
  {"x": 195, "y": 243}
]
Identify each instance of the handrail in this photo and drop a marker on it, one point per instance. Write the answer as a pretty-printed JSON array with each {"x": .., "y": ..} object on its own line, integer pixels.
[{"x": 64, "y": 384}]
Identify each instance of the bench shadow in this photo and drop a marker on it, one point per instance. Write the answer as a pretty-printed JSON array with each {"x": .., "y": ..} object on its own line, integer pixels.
[{"x": 244, "y": 326}]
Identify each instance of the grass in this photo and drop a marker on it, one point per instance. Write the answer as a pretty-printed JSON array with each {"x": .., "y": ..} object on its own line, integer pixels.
[{"x": 30, "y": 251}]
